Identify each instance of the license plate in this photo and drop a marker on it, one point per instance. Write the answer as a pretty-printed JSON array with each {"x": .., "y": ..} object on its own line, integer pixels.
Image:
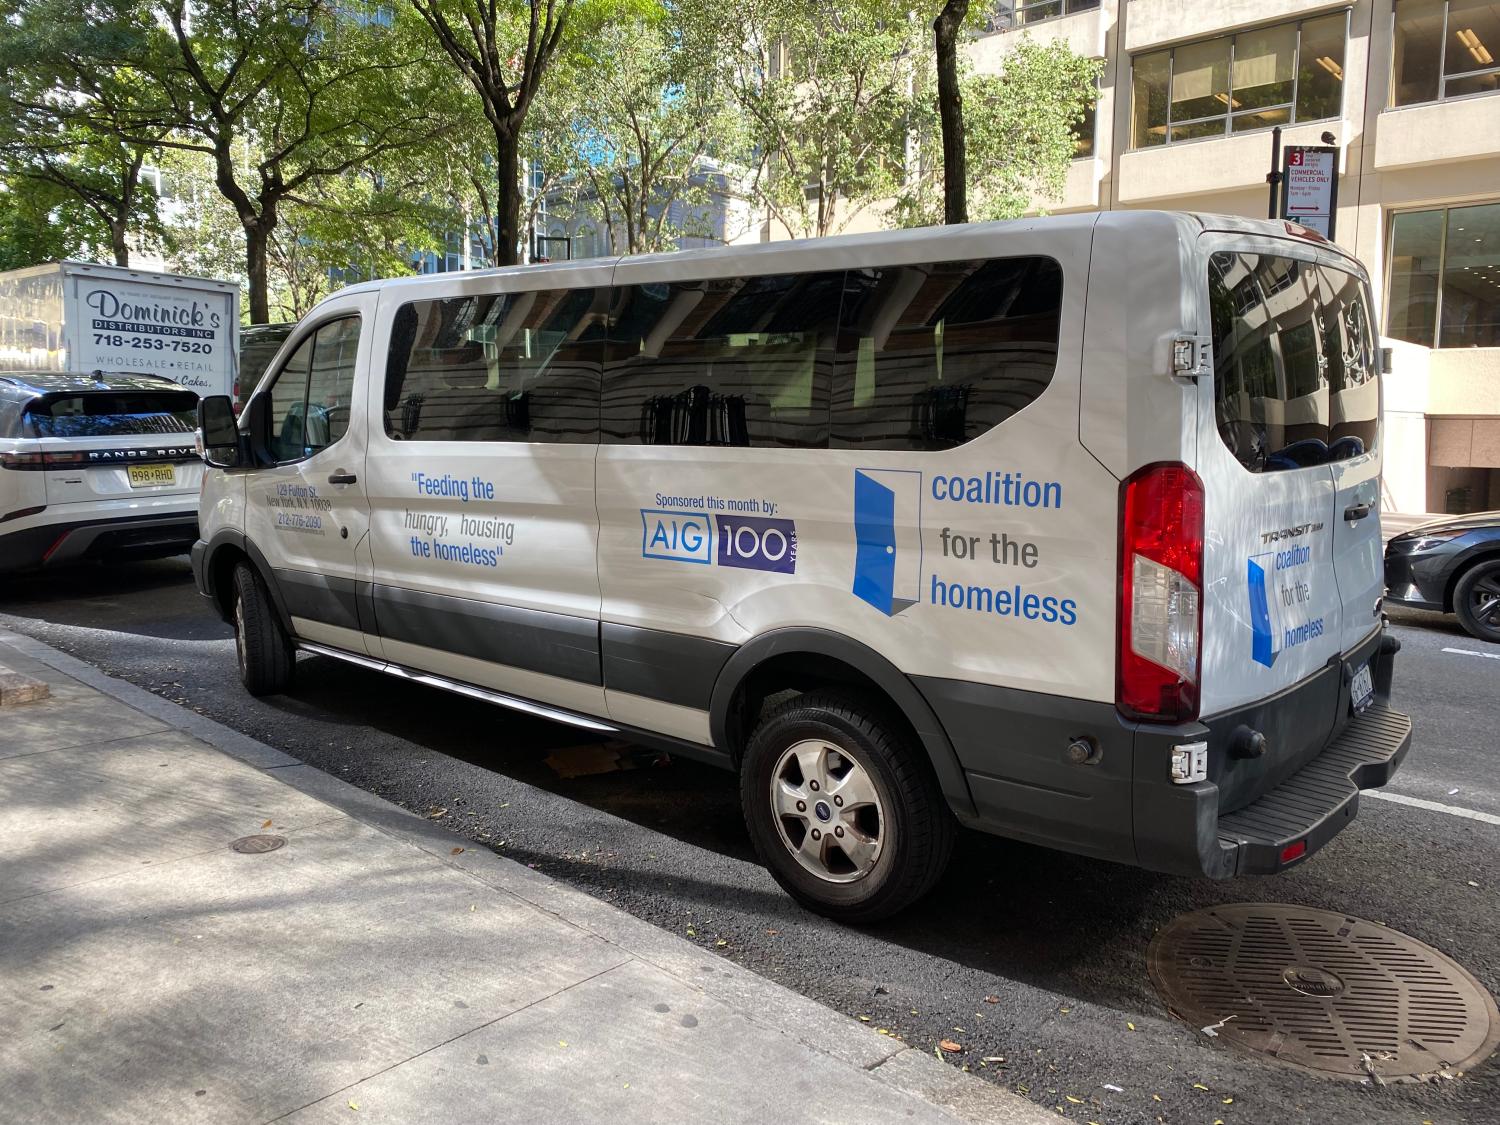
[
  {"x": 145, "y": 476},
  {"x": 1362, "y": 690}
]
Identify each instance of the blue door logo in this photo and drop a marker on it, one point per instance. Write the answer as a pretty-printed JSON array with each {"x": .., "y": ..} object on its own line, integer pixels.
[
  {"x": 1262, "y": 634},
  {"x": 887, "y": 536}
]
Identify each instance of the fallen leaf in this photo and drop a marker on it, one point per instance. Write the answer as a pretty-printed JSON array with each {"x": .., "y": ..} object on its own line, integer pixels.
[
  {"x": 353, "y": 1105},
  {"x": 1156, "y": 1097},
  {"x": 1075, "y": 1101},
  {"x": 960, "y": 1030},
  {"x": 992, "y": 999},
  {"x": 1116, "y": 1089},
  {"x": 455, "y": 851},
  {"x": 435, "y": 812},
  {"x": 691, "y": 932},
  {"x": 950, "y": 1046},
  {"x": 721, "y": 943},
  {"x": 1199, "y": 1086},
  {"x": 770, "y": 933},
  {"x": 1130, "y": 1026},
  {"x": 1065, "y": 1011},
  {"x": 881, "y": 1031},
  {"x": 562, "y": 1042},
  {"x": 864, "y": 1019},
  {"x": 1228, "y": 1101},
  {"x": 993, "y": 1059},
  {"x": 267, "y": 824}
]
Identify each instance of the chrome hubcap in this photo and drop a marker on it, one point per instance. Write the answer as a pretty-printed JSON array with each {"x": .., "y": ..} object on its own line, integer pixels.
[{"x": 828, "y": 811}]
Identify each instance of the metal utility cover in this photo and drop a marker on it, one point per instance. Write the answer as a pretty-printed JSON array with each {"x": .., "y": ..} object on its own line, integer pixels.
[
  {"x": 257, "y": 845},
  {"x": 1335, "y": 995}
]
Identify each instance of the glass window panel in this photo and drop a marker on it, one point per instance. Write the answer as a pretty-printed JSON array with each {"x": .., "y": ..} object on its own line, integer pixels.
[
  {"x": 1083, "y": 130},
  {"x": 1264, "y": 67},
  {"x": 289, "y": 406},
  {"x": 1416, "y": 249},
  {"x": 1416, "y": 60},
  {"x": 1471, "y": 279},
  {"x": 737, "y": 361},
  {"x": 1473, "y": 37},
  {"x": 1200, "y": 80},
  {"x": 497, "y": 367},
  {"x": 1213, "y": 127},
  {"x": 1353, "y": 365},
  {"x": 1262, "y": 118},
  {"x": 1472, "y": 84},
  {"x": 932, "y": 356},
  {"x": 1148, "y": 103},
  {"x": 1320, "y": 72},
  {"x": 332, "y": 381}
]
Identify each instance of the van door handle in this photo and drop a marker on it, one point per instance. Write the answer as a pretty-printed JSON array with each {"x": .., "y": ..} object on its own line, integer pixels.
[
  {"x": 342, "y": 478},
  {"x": 1358, "y": 512}
]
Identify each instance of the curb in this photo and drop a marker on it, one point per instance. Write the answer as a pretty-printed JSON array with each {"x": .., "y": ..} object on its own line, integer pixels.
[{"x": 764, "y": 1002}]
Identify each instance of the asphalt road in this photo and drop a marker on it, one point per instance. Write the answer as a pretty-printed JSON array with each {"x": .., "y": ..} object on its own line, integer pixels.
[{"x": 1058, "y": 942}]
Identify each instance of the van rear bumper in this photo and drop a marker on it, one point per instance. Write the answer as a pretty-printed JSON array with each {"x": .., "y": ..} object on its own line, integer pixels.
[
  {"x": 1286, "y": 825},
  {"x": 1074, "y": 775}
]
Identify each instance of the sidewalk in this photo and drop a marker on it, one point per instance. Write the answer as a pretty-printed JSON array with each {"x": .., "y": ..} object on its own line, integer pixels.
[{"x": 362, "y": 972}]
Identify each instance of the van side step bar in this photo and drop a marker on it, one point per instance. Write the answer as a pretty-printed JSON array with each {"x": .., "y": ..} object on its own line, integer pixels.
[{"x": 458, "y": 687}]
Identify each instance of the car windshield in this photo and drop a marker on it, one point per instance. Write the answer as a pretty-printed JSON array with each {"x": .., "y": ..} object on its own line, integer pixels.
[{"x": 111, "y": 414}]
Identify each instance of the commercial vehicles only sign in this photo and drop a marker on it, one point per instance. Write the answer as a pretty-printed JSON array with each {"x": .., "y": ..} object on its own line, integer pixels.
[
  {"x": 1310, "y": 187},
  {"x": 185, "y": 334}
]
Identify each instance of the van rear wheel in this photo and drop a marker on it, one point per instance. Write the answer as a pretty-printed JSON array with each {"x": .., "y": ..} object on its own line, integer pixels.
[
  {"x": 843, "y": 809},
  {"x": 1476, "y": 600},
  {"x": 262, "y": 648}
]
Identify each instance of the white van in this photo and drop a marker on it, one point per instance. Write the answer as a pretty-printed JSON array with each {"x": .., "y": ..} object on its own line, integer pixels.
[{"x": 974, "y": 525}]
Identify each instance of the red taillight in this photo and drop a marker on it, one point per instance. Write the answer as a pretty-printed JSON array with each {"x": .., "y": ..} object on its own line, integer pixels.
[
  {"x": 1161, "y": 581},
  {"x": 58, "y": 460},
  {"x": 20, "y": 461},
  {"x": 1294, "y": 851}
]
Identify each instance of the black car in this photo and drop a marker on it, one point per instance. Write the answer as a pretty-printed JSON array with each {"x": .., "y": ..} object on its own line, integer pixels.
[{"x": 1450, "y": 566}]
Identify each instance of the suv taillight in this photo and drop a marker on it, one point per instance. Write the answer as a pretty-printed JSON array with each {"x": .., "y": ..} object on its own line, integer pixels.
[{"x": 1161, "y": 580}]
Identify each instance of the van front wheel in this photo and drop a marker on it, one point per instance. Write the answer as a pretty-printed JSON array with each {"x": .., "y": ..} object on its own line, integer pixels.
[
  {"x": 261, "y": 647},
  {"x": 842, "y": 808}
]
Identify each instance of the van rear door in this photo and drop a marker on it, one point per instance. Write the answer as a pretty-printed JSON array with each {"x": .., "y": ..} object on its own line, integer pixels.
[
  {"x": 1354, "y": 454},
  {"x": 1272, "y": 612}
]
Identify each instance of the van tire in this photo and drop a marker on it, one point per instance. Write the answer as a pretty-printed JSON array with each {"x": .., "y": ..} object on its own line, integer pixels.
[
  {"x": 262, "y": 648},
  {"x": 1475, "y": 586},
  {"x": 910, "y": 818}
]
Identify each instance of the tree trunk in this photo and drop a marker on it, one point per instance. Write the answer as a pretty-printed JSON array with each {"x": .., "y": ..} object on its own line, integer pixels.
[
  {"x": 946, "y": 29},
  {"x": 257, "y": 239},
  {"x": 507, "y": 198},
  {"x": 117, "y": 228}
]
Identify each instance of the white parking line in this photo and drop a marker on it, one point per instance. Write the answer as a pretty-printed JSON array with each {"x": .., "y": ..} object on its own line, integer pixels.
[
  {"x": 1471, "y": 652},
  {"x": 1433, "y": 806}
]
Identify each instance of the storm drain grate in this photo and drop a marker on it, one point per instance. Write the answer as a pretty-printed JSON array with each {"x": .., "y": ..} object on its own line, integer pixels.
[{"x": 1336, "y": 995}]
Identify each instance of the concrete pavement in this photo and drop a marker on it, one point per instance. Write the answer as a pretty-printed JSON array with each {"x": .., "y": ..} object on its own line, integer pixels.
[{"x": 369, "y": 969}]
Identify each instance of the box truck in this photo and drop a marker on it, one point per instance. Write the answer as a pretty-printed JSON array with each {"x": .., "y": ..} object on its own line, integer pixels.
[{"x": 83, "y": 318}]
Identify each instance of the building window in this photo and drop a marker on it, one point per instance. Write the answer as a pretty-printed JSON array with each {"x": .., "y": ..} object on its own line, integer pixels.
[
  {"x": 1275, "y": 75},
  {"x": 1444, "y": 49},
  {"x": 1019, "y": 13},
  {"x": 1445, "y": 277},
  {"x": 1083, "y": 128}
]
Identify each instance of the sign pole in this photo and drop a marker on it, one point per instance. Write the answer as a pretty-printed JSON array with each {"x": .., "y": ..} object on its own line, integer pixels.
[{"x": 1273, "y": 177}]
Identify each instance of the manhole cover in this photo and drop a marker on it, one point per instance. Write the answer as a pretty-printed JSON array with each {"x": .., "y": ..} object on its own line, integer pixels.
[
  {"x": 255, "y": 845},
  {"x": 1323, "y": 991}
]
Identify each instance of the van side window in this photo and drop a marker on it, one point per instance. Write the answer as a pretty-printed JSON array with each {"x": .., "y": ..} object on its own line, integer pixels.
[
  {"x": 739, "y": 361},
  {"x": 933, "y": 355},
  {"x": 310, "y": 397},
  {"x": 497, "y": 367},
  {"x": 1295, "y": 377}
]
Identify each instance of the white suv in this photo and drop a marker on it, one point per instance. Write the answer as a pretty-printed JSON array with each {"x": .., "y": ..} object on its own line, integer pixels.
[{"x": 95, "y": 466}]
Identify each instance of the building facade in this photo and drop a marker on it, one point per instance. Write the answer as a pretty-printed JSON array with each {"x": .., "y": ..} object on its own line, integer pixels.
[{"x": 1409, "y": 90}]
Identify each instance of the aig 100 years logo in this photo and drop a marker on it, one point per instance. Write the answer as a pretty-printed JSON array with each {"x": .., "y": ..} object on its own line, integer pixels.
[{"x": 743, "y": 542}]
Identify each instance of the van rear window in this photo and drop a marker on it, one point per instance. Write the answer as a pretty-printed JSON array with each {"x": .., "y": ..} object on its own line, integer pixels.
[
  {"x": 111, "y": 414},
  {"x": 1295, "y": 362}
]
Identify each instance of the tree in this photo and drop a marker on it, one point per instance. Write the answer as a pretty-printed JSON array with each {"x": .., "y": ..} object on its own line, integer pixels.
[
  {"x": 1016, "y": 141},
  {"x": 946, "y": 30},
  {"x": 504, "y": 49},
  {"x": 647, "y": 120},
  {"x": 825, "y": 91},
  {"x": 61, "y": 124},
  {"x": 40, "y": 222}
]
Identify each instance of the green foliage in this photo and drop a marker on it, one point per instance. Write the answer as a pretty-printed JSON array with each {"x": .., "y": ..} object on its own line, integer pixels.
[
  {"x": 1019, "y": 126},
  {"x": 41, "y": 222}
]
